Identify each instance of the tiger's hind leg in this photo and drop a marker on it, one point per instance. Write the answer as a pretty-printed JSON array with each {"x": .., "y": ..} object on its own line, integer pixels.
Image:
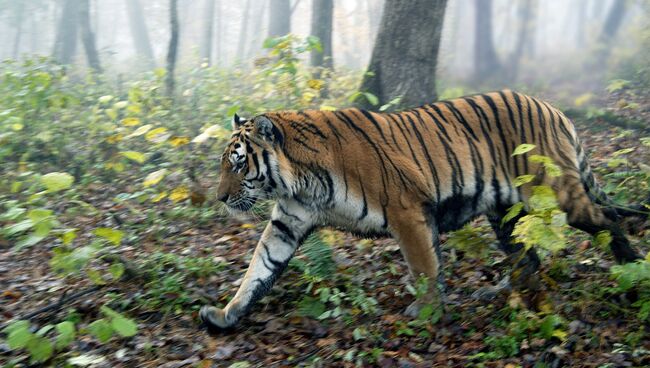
[
  {"x": 419, "y": 244},
  {"x": 525, "y": 262}
]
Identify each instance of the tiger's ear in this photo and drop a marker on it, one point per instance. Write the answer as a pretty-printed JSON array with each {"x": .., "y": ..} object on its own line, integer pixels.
[
  {"x": 237, "y": 122},
  {"x": 264, "y": 127}
]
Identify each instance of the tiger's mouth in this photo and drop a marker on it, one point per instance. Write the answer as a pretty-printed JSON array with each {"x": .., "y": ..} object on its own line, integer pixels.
[{"x": 242, "y": 204}]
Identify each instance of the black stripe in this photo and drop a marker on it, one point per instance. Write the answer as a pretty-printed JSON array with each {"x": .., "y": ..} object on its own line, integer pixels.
[
  {"x": 283, "y": 229},
  {"x": 459, "y": 117}
]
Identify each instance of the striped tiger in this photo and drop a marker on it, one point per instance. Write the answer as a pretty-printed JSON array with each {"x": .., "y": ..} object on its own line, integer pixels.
[{"x": 410, "y": 175}]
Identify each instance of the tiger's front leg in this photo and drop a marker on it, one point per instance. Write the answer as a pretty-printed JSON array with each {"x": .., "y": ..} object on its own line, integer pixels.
[{"x": 281, "y": 237}]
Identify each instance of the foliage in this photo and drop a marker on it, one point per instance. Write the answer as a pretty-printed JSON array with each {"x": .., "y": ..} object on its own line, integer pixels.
[
  {"x": 636, "y": 276},
  {"x": 42, "y": 344}
]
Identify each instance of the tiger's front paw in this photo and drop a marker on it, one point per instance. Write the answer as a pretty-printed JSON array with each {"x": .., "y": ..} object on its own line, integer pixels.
[{"x": 215, "y": 319}]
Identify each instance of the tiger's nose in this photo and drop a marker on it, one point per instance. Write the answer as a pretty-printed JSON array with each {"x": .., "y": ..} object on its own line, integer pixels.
[{"x": 223, "y": 197}]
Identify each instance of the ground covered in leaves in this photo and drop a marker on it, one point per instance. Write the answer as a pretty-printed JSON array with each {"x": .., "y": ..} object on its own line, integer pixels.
[{"x": 177, "y": 257}]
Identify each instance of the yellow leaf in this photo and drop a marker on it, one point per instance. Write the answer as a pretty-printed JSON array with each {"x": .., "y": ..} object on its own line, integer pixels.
[
  {"x": 315, "y": 84},
  {"x": 116, "y": 166},
  {"x": 179, "y": 141},
  {"x": 583, "y": 99},
  {"x": 158, "y": 197},
  {"x": 562, "y": 335},
  {"x": 140, "y": 131},
  {"x": 327, "y": 108},
  {"x": 247, "y": 226},
  {"x": 114, "y": 138},
  {"x": 120, "y": 104},
  {"x": 134, "y": 156},
  {"x": 130, "y": 121},
  {"x": 56, "y": 181},
  {"x": 157, "y": 135},
  {"x": 111, "y": 113},
  {"x": 17, "y": 126},
  {"x": 134, "y": 109},
  {"x": 200, "y": 138},
  {"x": 154, "y": 177},
  {"x": 180, "y": 193},
  {"x": 216, "y": 131},
  {"x": 105, "y": 99}
]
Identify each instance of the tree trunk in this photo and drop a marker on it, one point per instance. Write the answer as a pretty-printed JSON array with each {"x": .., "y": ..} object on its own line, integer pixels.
[
  {"x": 525, "y": 13},
  {"x": 87, "y": 36},
  {"x": 374, "y": 15},
  {"x": 20, "y": 12},
  {"x": 65, "y": 44},
  {"x": 608, "y": 33},
  {"x": 280, "y": 18},
  {"x": 321, "y": 27},
  {"x": 486, "y": 62},
  {"x": 218, "y": 36},
  {"x": 243, "y": 30},
  {"x": 172, "y": 51},
  {"x": 613, "y": 21},
  {"x": 139, "y": 31},
  {"x": 255, "y": 45},
  {"x": 404, "y": 58},
  {"x": 208, "y": 25}
]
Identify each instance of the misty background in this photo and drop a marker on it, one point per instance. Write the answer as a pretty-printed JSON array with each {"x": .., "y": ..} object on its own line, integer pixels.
[{"x": 533, "y": 42}]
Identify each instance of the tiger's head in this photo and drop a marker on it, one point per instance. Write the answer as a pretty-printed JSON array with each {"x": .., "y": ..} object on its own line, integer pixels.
[{"x": 250, "y": 165}]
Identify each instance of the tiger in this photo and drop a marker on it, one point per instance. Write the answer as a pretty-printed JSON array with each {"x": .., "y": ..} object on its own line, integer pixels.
[{"x": 412, "y": 175}]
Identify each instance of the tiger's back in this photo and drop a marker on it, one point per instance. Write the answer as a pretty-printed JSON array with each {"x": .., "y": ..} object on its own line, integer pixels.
[{"x": 453, "y": 157}]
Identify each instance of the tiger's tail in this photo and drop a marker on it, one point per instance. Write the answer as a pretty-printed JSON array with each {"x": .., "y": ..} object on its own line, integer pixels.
[{"x": 611, "y": 209}]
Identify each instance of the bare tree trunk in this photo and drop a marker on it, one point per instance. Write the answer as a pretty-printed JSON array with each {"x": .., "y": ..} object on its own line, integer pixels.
[
  {"x": 20, "y": 11},
  {"x": 525, "y": 13},
  {"x": 243, "y": 30},
  {"x": 255, "y": 45},
  {"x": 608, "y": 33},
  {"x": 279, "y": 18},
  {"x": 321, "y": 27},
  {"x": 374, "y": 16},
  {"x": 208, "y": 26},
  {"x": 486, "y": 62},
  {"x": 218, "y": 38},
  {"x": 613, "y": 21},
  {"x": 403, "y": 62},
  {"x": 65, "y": 44},
  {"x": 581, "y": 22},
  {"x": 139, "y": 31},
  {"x": 87, "y": 36},
  {"x": 172, "y": 51}
]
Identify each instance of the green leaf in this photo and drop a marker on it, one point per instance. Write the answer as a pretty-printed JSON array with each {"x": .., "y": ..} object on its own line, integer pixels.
[
  {"x": 116, "y": 270},
  {"x": 134, "y": 156},
  {"x": 112, "y": 235},
  {"x": 66, "y": 334},
  {"x": 95, "y": 276},
  {"x": 623, "y": 151},
  {"x": 101, "y": 329},
  {"x": 40, "y": 349},
  {"x": 232, "y": 110},
  {"x": 602, "y": 239},
  {"x": 371, "y": 98},
  {"x": 523, "y": 148},
  {"x": 19, "y": 336},
  {"x": 512, "y": 212},
  {"x": 548, "y": 325},
  {"x": 125, "y": 327},
  {"x": 425, "y": 312},
  {"x": 56, "y": 181},
  {"x": 39, "y": 214},
  {"x": 523, "y": 179}
]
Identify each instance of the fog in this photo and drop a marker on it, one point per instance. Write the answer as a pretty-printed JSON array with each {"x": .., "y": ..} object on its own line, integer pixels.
[{"x": 561, "y": 35}]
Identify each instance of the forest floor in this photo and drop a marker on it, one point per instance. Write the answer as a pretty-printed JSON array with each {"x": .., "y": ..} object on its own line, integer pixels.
[{"x": 197, "y": 259}]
